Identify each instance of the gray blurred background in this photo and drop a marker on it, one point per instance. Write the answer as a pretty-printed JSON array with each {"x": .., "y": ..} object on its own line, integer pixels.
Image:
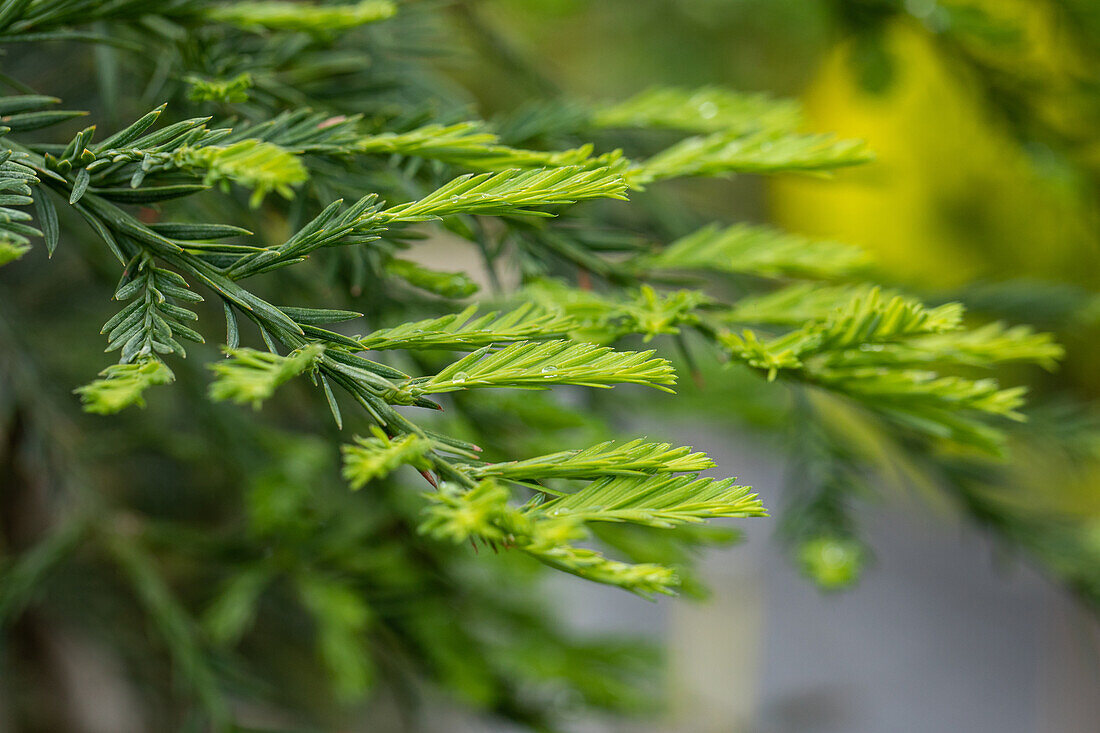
[{"x": 941, "y": 634}]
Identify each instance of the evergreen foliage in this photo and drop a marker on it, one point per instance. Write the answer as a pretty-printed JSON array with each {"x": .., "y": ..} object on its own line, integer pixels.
[{"x": 315, "y": 104}]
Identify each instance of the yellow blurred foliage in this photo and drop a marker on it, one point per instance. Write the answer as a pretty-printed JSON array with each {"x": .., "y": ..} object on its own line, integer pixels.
[{"x": 953, "y": 196}]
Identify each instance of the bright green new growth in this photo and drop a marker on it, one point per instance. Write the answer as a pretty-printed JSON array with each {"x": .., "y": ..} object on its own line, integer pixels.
[
  {"x": 128, "y": 157},
  {"x": 833, "y": 562},
  {"x": 709, "y": 109},
  {"x": 483, "y": 512},
  {"x": 722, "y": 154},
  {"x": 371, "y": 458},
  {"x": 757, "y": 250},
  {"x": 248, "y": 377},
  {"x": 644, "y": 311},
  {"x": 281, "y": 15},
  {"x": 463, "y": 332},
  {"x": 229, "y": 91},
  {"x": 445, "y": 284},
  {"x": 536, "y": 365},
  {"x": 123, "y": 385},
  {"x": 513, "y": 192},
  {"x": 656, "y": 501},
  {"x": 471, "y": 145},
  {"x": 634, "y": 458},
  {"x": 866, "y": 348},
  {"x": 797, "y": 304},
  {"x": 257, "y": 165},
  {"x": 11, "y": 251}
]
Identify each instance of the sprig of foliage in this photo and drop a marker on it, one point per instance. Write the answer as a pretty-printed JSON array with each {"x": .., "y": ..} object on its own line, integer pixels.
[
  {"x": 16, "y": 180},
  {"x": 705, "y": 109},
  {"x": 866, "y": 321},
  {"x": 445, "y": 284},
  {"x": 757, "y": 250},
  {"x": 282, "y": 15},
  {"x": 984, "y": 346},
  {"x": 248, "y": 376},
  {"x": 471, "y": 145},
  {"x": 10, "y": 250},
  {"x": 257, "y": 165},
  {"x": 484, "y": 512},
  {"x": 797, "y": 304},
  {"x": 644, "y": 311},
  {"x": 117, "y": 167},
  {"x": 633, "y": 458},
  {"x": 537, "y": 365},
  {"x": 227, "y": 91},
  {"x": 371, "y": 458},
  {"x": 123, "y": 385},
  {"x": 864, "y": 350},
  {"x": 464, "y": 332},
  {"x": 656, "y": 501},
  {"x": 722, "y": 154},
  {"x": 358, "y": 223},
  {"x": 513, "y": 192},
  {"x": 151, "y": 323}
]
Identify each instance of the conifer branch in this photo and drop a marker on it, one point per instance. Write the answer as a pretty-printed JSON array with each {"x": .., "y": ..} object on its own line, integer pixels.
[
  {"x": 921, "y": 390},
  {"x": 371, "y": 458},
  {"x": 645, "y": 579},
  {"x": 151, "y": 323},
  {"x": 866, "y": 321},
  {"x": 633, "y": 458},
  {"x": 705, "y": 109},
  {"x": 16, "y": 180},
  {"x": 644, "y": 311},
  {"x": 984, "y": 346},
  {"x": 292, "y": 16},
  {"x": 797, "y": 304},
  {"x": 538, "y": 365},
  {"x": 250, "y": 377},
  {"x": 357, "y": 224},
  {"x": 513, "y": 192},
  {"x": 483, "y": 512},
  {"x": 864, "y": 349},
  {"x": 117, "y": 167},
  {"x": 303, "y": 131},
  {"x": 444, "y": 284},
  {"x": 656, "y": 501},
  {"x": 123, "y": 385},
  {"x": 757, "y": 250},
  {"x": 463, "y": 331},
  {"x": 723, "y": 154},
  {"x": 470, "y": 145}
]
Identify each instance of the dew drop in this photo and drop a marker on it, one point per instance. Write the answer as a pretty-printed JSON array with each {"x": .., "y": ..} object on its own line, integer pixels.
[
  {"x": 708, "y": 110},
  {"x": 460, "y": 377},
  {"x": 548, "y": 371}
]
